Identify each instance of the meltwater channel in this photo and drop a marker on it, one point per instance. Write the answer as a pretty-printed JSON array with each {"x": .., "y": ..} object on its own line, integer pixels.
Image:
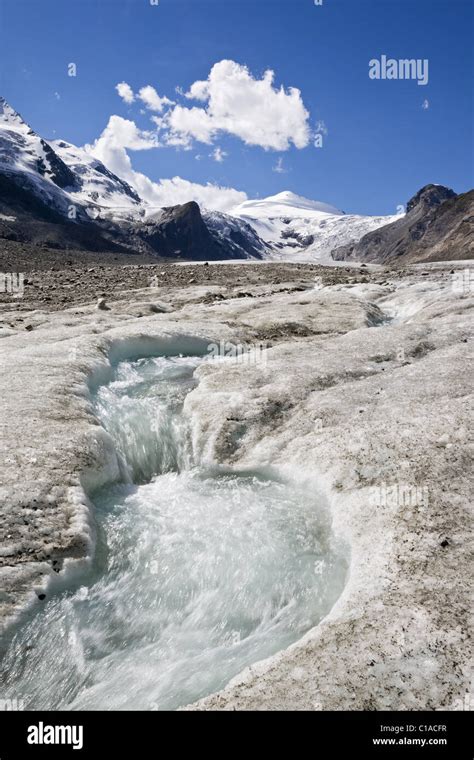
[{"x": 199, "y": 571}]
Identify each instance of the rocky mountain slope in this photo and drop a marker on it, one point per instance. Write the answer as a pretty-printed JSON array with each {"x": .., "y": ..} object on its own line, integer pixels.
[
  {"x": 27, "y": 218},
  {"x": 56, "y": 195},
  {"x": 438, "y": 226},
  {"x": 182, "y": 232}
]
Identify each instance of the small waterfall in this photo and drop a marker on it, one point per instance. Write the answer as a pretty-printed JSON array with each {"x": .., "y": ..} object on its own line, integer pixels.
[{"x": 141, "y": 409}]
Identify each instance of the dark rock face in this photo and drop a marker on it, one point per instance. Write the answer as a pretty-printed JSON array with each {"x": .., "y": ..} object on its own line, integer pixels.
[
  {"x": 235, "y": 237},
  {"x": 58, "y": 172},
  {"x": 438, "y": 226},
  {"x": 179, "y": 232},
  {"x": 303, "y": 240},
  {"x": 27, "y": 219},
  {"x": 99, "y": 167},
  {"x": 429, "y": 197}
]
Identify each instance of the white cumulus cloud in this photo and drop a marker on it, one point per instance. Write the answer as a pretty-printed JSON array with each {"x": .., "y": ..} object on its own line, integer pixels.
[
  {"x": 239, "y": 104},
  {"x": 122, "y": 134},
  {"x": 125, "y": 92},
  {"x": 152, "y": 100},
  {"x": 231, "y": 101}
]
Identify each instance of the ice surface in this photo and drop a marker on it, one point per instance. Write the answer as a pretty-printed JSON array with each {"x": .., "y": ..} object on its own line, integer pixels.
[
  {"x": 199, "y": 571},
  {"x": 355, "y": 403}
]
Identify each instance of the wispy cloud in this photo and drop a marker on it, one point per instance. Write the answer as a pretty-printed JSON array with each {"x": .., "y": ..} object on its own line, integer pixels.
[
  {"x": 218, "y": 155},
  {"x": 321, "y": 128}
]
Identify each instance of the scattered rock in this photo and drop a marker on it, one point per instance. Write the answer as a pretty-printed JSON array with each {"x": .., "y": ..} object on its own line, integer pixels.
[
  {"x": 102, "y": 305},
  {"x": 157, "y": 308}
]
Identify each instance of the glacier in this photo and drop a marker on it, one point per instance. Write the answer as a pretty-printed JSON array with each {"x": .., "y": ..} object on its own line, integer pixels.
[{"x": 342, "y": 408}]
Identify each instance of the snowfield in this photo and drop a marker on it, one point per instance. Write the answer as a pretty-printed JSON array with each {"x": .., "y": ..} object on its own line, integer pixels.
[
  {"x": 103, "y": 191},
  {"x": 298, "y": 229},
  {"x": 284, "y": 204}
]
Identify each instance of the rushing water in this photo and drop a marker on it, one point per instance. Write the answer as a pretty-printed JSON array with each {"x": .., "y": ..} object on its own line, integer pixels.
[{"x": 199, "y": 572}]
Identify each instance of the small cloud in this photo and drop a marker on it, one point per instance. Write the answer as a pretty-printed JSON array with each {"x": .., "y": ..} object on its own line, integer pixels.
[
  {"x": 149, "y": 96},
  {"x": 57, "y": 96},
  {"x": 425, "y": 105},
  {"x": 279, "y": 168},
  {"x": 160, "y": 121},
  {"x": 198, "y": 157},
  {"x": 218, "y": 155},
  {"x": 125, "y": 92}
]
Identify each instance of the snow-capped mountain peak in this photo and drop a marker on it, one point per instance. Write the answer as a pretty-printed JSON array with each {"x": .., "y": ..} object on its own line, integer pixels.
[
  {"x": 8, "y": 115},
  {"x": 97, "y": 187},
  {"x": 294, "y": 201},
  {"x": 29, "y": 158},
  {"x": 302, "y": 229},
  {"x": 282, "y": 205},
  {"x": 61, "y": 174}
]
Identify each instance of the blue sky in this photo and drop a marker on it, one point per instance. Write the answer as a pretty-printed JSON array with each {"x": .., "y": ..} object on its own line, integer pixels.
[{"x": 381, "y": 144}]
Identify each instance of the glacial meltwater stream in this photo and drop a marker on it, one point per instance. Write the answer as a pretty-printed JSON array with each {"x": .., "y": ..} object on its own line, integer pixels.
[{"x": 198, "y": 571}]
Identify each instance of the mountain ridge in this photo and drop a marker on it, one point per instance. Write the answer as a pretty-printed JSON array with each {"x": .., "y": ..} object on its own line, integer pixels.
[
  {"x": 438, "y": 226},
  {"x": 53, "y": 193}
]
